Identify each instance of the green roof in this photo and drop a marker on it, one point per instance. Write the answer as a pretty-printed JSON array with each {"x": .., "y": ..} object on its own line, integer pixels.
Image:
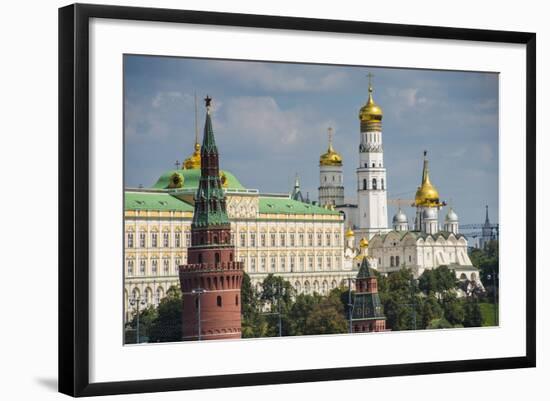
[
  {"x": 154, "y": 201},
  {"x": 290, "y": 206},
  {"x": 191, "y": 179},
  {"x": 365, "y": 270}
]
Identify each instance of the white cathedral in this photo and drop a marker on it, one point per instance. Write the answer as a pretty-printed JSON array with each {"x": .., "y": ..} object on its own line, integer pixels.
[{"x": 423, "y": 245}]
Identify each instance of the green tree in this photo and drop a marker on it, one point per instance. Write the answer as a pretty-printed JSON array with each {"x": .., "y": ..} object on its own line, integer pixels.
[
  {"x": 253, "y": 323},
  {"x": 472, "y": 313},
  {"x": 441, "y": 323},
  {"x": 146, "y": 318},
  {"x": 453, "y": 309},
  {"x": 301, "y": 308},
  {"x": 326, "y": 317},
  {"x": 487, "y": 261},
  {"x": 438, "y": 281},
  {"x": 400, "y": 298},
  {"x": 167, "y": 325},
  {"x": 430, "y": 311}
]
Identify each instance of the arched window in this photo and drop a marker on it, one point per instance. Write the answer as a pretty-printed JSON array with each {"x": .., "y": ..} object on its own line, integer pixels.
[
  {"x": 236, "y": 300},
  {"x": 374, "y": 183},
  {"x": 364, "y": 184},
  {"x": 217, "y": 257},
  {"x": 219, "y": 301},
  {"x": 382, "y": 183},
  {"x": 392, "y": 261},
  {"x": 231, "y": 257},
  {"x": 397, "y": 260},
  {"x": 200, "y": 258},
  {"x": 373, "y": 165},
  {"x": 215, "y": 239}
]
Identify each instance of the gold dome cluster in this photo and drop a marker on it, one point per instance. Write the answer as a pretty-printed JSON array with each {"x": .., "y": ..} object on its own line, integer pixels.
[
  {"x": 426, "y": 194},
  {"x": 349, "y": 233},
  {"x": 193, "y": 161},
  {"x": 330, "y": 157},
  {"x": 363, "y": 243}
]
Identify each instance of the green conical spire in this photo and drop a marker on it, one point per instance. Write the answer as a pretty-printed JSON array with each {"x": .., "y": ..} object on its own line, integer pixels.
[
  {"x": 208, "y": 141},
  {"x": 210, "y": 202},
  {"x": 365, "y": 271}
]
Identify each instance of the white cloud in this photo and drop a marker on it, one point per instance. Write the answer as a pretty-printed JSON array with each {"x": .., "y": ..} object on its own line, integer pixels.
[
  {"x": 276, "y": 77},
  {"x": 164, "y": 99}
]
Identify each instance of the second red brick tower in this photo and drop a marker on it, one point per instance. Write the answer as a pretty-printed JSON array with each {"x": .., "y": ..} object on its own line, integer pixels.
[{"x": 211, "y": 280}]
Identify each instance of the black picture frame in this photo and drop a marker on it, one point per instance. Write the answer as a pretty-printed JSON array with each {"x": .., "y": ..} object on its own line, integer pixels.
[{"x": 74, "y": 198}]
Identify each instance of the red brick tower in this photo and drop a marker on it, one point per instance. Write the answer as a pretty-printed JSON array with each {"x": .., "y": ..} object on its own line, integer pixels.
[{"x": 211, "y": 281}]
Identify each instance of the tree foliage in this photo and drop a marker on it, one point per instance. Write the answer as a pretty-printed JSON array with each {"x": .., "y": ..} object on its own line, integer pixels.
[{"x": 167, "y": 325}]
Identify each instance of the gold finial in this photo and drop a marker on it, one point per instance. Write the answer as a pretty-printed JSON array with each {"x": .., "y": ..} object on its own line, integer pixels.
[
  {"x": 370, "y": 76},
  {"x": 370, "y": 114},
  {"x": 194, "y": 161}
]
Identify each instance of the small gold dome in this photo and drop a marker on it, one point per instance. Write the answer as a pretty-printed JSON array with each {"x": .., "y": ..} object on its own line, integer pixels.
[
  {"x": 331, "y": 157},
  {"x": 193, "y": 161},
  {"x": 364, "y": 242},
  {"x": 370, "y": 112},
  {"x": 349, "y": 233}
]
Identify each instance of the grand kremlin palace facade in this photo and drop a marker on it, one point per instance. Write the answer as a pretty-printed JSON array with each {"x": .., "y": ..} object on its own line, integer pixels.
[{"x": 272, "y": 233}]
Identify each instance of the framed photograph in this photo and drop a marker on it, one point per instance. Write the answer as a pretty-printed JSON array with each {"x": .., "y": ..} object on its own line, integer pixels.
[{"x": 251, "y": 199}]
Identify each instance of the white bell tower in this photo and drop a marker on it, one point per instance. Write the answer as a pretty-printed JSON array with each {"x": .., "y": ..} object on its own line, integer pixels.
[{"x": 371, "y": 173}]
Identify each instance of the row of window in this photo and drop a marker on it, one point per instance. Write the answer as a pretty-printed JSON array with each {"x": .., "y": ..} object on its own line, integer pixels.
[
  {"x": 165, "y": 268},
  {"x": 254, "y": 240},
  {"x": 374, "y": 184},
  {"x": 334, "y": 178},
  {"x": 295, "y": 264},
  {"x": 154, "y": 240},
  {"x": 293, "y": 240}
]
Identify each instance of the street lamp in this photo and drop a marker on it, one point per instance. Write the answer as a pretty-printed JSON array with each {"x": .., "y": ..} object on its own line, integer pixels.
[
  {"x": 414, "y": 283},
  {"x": 495, "y": 308},
  {"x": 350, "y": 305},
  {"x": 137, "y": 301},
  {"x": 280, "y": 293},
  {"x": 198, "y": 292}
]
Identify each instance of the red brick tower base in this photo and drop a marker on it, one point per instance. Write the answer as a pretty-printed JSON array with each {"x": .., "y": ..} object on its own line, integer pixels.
[{"x": 219, "y": 300}]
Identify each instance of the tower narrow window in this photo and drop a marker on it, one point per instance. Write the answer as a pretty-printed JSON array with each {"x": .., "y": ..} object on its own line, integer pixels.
[
  {"x": 374, "y": 185},
  {"x": 200, "y": 258},
  {"x": 364, "y": 184},
  {"x": 392, "y": 261},
  {"x": 217, "y": 257},
  {"x": 219, "y": 301},
  {"x": 382, "y": 183}
]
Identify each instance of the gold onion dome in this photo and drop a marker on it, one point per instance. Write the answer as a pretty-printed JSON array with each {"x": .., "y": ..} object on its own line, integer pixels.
[
  {"x": 349, "y": 233},
  {"x": 371, "y": 111},
  {"x": 193, "y": 161},
  {"x": 426, "y": 194},
  {"x": 330, "y": 157},
  {"x": 363, "y": 243}
]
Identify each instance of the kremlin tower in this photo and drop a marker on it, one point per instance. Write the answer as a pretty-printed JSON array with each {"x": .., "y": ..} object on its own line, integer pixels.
[
  {"x": 367, "y": 315},
  {"x": 331, "y": 188},
  {"x": 371, "y": 174},
  {"x": 211, "y": 281}
]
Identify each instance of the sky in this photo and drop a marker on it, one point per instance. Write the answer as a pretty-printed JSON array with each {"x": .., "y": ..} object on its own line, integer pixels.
[{"x": 271, "y": 122}]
